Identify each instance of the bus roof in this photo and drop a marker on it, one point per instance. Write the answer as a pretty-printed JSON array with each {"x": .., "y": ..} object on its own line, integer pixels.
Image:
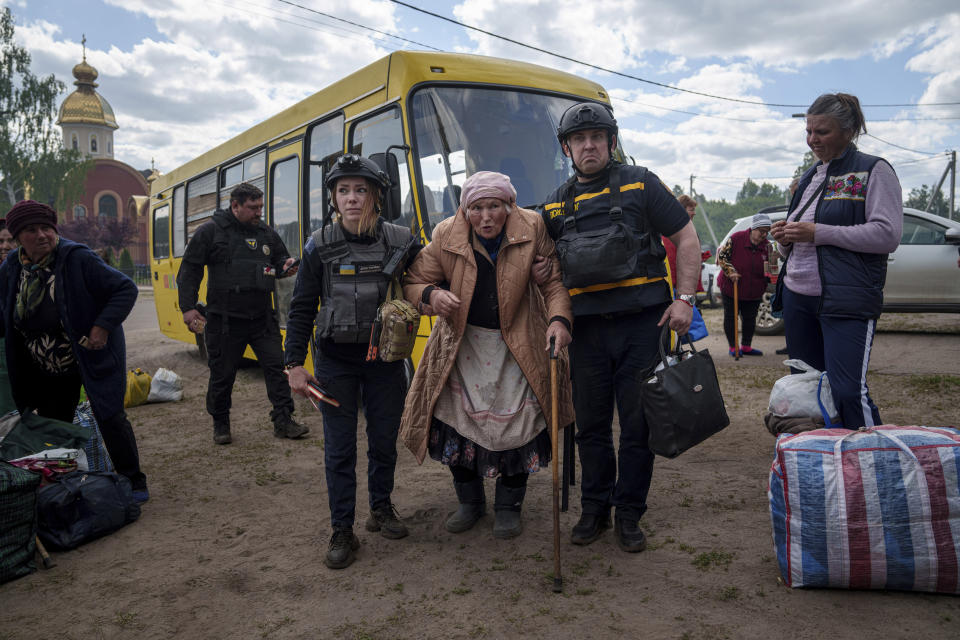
[{"x": 379, "y": 83}]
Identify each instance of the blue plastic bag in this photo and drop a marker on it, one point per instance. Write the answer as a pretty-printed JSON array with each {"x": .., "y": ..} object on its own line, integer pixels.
[{"x": 697, "y": 330}]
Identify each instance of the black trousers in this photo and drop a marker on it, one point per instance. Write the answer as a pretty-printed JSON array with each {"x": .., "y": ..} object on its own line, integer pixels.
[
  {"x": 56, "y": 396},
  {"x": 227, "y": 339},
  {"x": 608, "y": 357},
  {"x": 748, "y": 315}
]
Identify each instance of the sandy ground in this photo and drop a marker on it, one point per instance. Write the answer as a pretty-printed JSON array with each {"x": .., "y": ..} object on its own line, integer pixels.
[{"x": 231, "y": 543}]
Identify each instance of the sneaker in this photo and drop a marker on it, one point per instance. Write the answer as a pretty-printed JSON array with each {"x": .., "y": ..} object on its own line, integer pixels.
[
  {"x": 783, "y": 352},
  {"x": 746, "y": 351},
  {"x": 141, "y": 495},
  {"x": 341, "y": 551},
  {"x": 287, "y": 428},
  {"x": 221, "y": 433},
  {"x": 589, "y": 528},
  {"x": 385, "y": 520},
  {"x": 630, "y": 538}
]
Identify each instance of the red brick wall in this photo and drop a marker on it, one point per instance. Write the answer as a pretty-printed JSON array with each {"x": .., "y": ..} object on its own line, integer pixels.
[{"x": 121, "y": 181}]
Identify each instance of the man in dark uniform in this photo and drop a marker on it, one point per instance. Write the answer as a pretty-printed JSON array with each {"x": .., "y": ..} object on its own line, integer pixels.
[
  {"x": 607, "y": 222},
  {"x": 244, "y": 257}
]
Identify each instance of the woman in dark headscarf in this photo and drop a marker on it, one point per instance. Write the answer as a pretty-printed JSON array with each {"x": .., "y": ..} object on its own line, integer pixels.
[{"x": 62, "y": 309}]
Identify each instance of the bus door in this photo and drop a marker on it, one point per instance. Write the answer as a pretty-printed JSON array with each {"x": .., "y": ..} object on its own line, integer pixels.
[
  {"x": 162, "y": 268},
  {"x": 283, "y": 213}
]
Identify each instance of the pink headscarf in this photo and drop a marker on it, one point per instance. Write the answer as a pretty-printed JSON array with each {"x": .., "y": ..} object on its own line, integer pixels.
[{"x": 487, "y": 184}]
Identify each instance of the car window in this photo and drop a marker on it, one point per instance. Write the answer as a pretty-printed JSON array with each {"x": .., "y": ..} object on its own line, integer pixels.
[{"x": 920, "y": 231}]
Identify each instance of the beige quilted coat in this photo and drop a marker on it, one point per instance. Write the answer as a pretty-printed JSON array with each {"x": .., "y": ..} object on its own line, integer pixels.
[{"x": 525, "y": 310}]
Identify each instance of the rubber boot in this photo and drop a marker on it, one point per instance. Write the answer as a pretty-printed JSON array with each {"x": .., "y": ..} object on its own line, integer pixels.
[
  {"x": 472, "y": 506},
  {"x": 506, "y": 507}
]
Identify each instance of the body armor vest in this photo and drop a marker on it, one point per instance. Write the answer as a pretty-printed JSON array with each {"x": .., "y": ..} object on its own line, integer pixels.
[
  {"x": 354, "y": 281},
  {"x": 611, "y": 254},
  {"x": 242, "y": 268}
]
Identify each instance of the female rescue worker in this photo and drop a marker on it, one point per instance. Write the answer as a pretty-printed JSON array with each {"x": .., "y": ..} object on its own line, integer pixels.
[{"x": 343, "y": 269}]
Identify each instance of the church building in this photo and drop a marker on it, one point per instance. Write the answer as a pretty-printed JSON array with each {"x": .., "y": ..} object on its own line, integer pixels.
[{"x": 113, "y": 189}]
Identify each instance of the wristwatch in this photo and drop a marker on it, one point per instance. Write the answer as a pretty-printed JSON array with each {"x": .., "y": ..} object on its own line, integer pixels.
[{"x": 689, "y": 298}]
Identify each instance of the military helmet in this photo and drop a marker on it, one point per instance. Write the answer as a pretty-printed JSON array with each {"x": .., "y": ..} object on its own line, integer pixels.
[
  {"x": 587, "y": 115},
  {"x": 351, "y": 164}
]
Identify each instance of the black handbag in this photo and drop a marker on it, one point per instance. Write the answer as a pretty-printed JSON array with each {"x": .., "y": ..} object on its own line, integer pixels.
[{"x": 682, "y": 402}]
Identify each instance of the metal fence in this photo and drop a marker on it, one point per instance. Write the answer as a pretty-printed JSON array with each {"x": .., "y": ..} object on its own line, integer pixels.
[{"x": 140, "y": 273}]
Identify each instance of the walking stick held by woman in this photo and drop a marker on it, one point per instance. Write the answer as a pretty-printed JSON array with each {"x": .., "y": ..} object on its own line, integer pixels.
[
  {"x": 554, "y": 438},
  {"x": 736, "y": 319}
]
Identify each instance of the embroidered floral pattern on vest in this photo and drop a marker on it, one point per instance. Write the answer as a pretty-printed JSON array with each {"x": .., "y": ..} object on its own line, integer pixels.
[{"x": 852, "y": 186}]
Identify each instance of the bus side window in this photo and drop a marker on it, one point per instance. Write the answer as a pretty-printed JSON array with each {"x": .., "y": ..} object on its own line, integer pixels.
[
  {"x": 179, "y": 222},
  {"x": 161, "y": 232},
  {"x": 201, "y": 201},
  {"x": 325, "y": 141},
  {"x": 284, "y": 207},
  {"x": 374, "y": 134}
]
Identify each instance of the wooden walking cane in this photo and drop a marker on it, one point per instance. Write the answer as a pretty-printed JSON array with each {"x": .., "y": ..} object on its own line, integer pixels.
[
  {"x": 48, "y": 563},
  {"x": 554, "y": 437},
  {"x": 736, "y": 319}
]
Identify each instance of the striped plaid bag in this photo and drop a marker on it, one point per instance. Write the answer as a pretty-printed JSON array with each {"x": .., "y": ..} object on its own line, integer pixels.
[{"x": 877, "y": 508}]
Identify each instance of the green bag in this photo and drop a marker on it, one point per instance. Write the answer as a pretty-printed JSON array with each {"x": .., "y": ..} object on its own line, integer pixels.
[{"x": 18, "y": 521}]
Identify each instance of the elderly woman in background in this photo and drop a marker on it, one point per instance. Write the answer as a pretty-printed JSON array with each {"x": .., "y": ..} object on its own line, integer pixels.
[
  {"x": 845, "y": 218},
  {"x": 62, "y": 310},
  {"x": 7, "y": 243},
  {"x": 741, "y": 260},
  {"x": 480, "y": 400}
]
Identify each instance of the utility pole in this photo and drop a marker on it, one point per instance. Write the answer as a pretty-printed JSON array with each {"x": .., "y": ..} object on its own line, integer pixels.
[
  {"x": 953, "y": 182},
  {"x": 706, "y": 217},
  {"x": 951, "y": 168}
]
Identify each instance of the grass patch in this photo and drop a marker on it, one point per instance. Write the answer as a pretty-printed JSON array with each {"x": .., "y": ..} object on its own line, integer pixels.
[
  {"x": 934, "y": 383},
  {"x": 729, "y": 593},
  {"x": 712, "y": 560}
]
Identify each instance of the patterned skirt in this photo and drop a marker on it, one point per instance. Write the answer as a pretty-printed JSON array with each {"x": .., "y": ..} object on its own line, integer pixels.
[{"x": 452, "y": 449}]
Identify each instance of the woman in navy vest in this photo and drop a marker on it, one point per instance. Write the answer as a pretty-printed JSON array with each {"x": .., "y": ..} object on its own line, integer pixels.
[
  {"x": 845, "y": 218},
  {"x": 741, "y": 257}
]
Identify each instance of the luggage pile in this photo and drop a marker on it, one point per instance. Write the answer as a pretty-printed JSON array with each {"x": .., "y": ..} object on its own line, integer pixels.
[{"x": 877, "y": 508}]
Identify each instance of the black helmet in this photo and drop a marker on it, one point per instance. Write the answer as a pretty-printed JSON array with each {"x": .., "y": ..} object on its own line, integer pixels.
[
  {"x": 587, "y": 115},
  {"x": 351, "y": 164}
]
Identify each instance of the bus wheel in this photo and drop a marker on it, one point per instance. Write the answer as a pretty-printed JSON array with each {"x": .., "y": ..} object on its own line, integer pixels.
[{"x": 202, "y": 346}]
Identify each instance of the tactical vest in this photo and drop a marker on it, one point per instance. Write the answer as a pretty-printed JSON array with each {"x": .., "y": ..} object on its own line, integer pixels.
[
  {"x": 354, "y": 281},
  {"x": 242, "y": 271},
  {"x": 609, "y": 269}
]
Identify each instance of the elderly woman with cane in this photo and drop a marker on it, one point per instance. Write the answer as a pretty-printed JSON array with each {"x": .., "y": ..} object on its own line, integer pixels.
[
  {"x": 743, "y": 282},
  {"x": 479, "y": 402},
  {"x": 62, "y": 310},
  {"x": 845, "y": 218}
]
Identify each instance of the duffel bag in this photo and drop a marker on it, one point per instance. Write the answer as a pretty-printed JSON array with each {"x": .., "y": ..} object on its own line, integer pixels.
[
  {"x": 84, "y": 506},
  {"x": 877, "y": 508},
  {"x": 18, "y": 521}
]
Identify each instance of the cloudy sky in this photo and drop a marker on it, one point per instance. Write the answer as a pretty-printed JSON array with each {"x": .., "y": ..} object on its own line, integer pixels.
[{"x": 183, "y": 75}]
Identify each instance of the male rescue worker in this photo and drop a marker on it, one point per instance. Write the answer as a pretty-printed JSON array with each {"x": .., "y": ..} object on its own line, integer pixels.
[
  {"x": 607, "y": 222},
  {"x": 244, "y": 257}
]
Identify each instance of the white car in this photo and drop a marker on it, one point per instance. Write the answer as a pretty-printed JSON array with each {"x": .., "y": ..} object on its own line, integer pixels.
[{"x": 922, "y": 274}]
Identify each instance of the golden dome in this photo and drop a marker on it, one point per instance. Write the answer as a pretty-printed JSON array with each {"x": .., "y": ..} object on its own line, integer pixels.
[{"x": 85, "y": 105}]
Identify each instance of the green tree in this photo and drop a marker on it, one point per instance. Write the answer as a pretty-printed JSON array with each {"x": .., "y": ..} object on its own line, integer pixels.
[
  {"x": 126, "y": 261},
  {"x": 808, "y": 161},
  {"x": 919, "y": 198},
  {"x": 32, "y": 157}
]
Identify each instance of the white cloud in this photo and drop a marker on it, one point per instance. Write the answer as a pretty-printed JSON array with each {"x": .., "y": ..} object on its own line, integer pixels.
[{"x": 215, "y": 73}]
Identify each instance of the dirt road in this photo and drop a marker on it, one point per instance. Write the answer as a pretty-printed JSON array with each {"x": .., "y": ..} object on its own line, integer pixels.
[{"x": 231, "y": 543}]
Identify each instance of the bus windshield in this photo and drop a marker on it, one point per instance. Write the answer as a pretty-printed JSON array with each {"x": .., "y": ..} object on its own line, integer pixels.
[{"x": 461, "y": 130}]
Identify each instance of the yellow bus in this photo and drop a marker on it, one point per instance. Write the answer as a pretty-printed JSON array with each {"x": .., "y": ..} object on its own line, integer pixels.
[{"x": 441, "y": 116}]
